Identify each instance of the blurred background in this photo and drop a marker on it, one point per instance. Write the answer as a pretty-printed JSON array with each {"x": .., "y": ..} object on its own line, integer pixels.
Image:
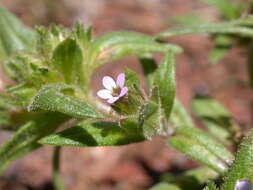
[{"x": 141, "y": 165}]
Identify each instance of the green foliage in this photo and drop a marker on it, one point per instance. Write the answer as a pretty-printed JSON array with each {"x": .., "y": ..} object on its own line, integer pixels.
[
  {"x": 68, "y": 59},
  {"x": 165, "y": 81},
  {"x": 165, "y": 186},
  {"x": 52, "y": 98},
  {"x": 53, "y": 86},
  {"x": 14, "y": 36},
  {"x": 25, "y": 139},
  {"x": 228, "y": 9},
  {"x": 191, "y": 179},
  {"x": 210, "y": 28},
  {"x": 179, "y": 116},
  {"x": 201, "y": 147},
  {"x": 242, "y": 167},
  {"x": 216, "y": 118},
  {"x": 150, "y": 118},
  {"x": 93, "y": 134},
  {"x": 210, "y": 186},
  {"x": 116, "y": 45}
]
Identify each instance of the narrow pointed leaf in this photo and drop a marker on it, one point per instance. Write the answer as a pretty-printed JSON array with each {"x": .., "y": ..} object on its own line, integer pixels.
[
  {"x": 210, "y": 28},
  {"x": 207, "y": 141},
  {"x": 93, "y": 134},
  {"x": 24, "y": 140},
  {"x": 119, "y": 44},
  {"x": 197, "y": 152},
  {"x": 68, "y": 59},
  {"x": 165, "y": 81},
  {"x": 242, "y": 167},
  {"x": 51, "y": 98}
]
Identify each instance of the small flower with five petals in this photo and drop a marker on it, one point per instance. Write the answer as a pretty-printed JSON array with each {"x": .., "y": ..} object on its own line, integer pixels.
[{"x": 113, "y": 90}]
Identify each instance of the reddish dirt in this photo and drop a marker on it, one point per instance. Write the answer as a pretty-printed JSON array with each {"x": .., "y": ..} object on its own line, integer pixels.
[{"x": 134, "y": 166}]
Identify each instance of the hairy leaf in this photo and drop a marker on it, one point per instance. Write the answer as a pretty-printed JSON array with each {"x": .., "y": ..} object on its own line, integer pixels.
[
  {"x": 150, "y": 120},
  {"x": 93, "y": 134},
  {"x": 211, "y": 28},
  {"x": 165, "y": 81},
  {"x": 24, "y": 140},
  {"x": 52, "y": 98},
  {"x": 242, "y": 167},
  {"x": 119, "y": 44},
  {"x": 197, "y": 152},
  {"x": 68, "y": 59},
  {"x": 207, "y": 141}
]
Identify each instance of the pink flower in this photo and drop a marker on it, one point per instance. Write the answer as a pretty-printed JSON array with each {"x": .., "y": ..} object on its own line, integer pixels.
[{"x": 113, "y": 90}]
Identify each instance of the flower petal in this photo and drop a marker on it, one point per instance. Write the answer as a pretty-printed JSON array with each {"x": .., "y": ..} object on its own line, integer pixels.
[
  {"x": 112, "y": 100},
  {"x": 104, "y": 94},
  {"x": 123, "y": 92},
  {"x": 109, "y": 83},
  {"x": 121, "y": 80},
  {"x": 243, "y": 184}
]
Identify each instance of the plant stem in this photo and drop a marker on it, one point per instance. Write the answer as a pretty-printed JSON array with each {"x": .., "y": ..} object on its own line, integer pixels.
[{"x": 57, "y": 181}]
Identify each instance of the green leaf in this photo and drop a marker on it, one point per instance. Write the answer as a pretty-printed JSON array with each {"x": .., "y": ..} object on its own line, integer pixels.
[
  {"x": 52, "y": 98},
  {"x": 24, "y": 140},
  {"x": 216, "y": 55},
  {"x": 131, "y": 79},
  {"x": 14, "y": 35},
  {"x": 22, "y": 93},
  {"x": 165, "y": 186},
  {"x": 84, "y": 36},
  {"x": 207, "y": 141},
  {"x": 179, "y": 117},
  {"x": 211, "y": 28},
  {"x": 242, "y": 167},
  {"x": 150, "y": 118},
  {"x": 197, "y": 152},
  {"x": 68, "y": 59},
  {"x": 210, "y": 186},
  {"x": 93, "y": 134},
  {"x": 116, "y": 45},
  {"x": 191, "y": 179},
  {"x": 215, "y": 109},
  {"x": 227, "y": 8},
  {"x": 149, "y": 67},
  {"x": 216, "y": 118},
  {"x": 165, "y": 80},
  {"x": 187, "y": 19}
]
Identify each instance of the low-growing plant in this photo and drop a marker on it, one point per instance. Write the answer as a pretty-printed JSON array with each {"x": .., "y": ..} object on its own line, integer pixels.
[{"x": 52, "y": 69}]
